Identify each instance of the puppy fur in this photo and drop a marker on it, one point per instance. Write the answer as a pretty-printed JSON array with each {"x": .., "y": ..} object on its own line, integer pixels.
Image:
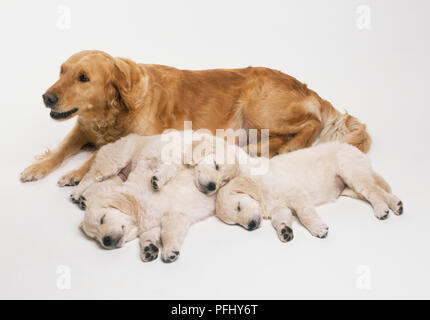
[
  {"x": 158, "y": 202},
  {"x": 113, "y": 97}
]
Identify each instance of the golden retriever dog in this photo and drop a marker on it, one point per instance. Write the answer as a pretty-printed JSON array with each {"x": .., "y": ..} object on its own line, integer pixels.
[
  {"x": 297, "y": 182},
  {"x": 113, "y": 97}
]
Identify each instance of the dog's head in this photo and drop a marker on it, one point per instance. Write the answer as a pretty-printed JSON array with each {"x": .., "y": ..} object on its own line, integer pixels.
[
  {"x": 215, "y": 163},
  {"x": 112, "y": 221},
  {"x": 240, "y": 202},
  {"x": 91, "y": 83}
]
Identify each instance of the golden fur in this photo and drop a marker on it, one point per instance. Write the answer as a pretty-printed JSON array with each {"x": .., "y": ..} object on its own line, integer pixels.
[{"x": 123, "y": 97}]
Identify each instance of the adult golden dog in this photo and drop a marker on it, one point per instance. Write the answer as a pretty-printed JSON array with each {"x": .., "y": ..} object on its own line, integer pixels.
[{"x": 113, "y": 97}]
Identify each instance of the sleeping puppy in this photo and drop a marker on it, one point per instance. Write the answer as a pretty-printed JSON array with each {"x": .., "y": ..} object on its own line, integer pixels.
[
  {"x": 241, "y": 202},
  {"x": 299, "y": 181},
  {"x": 158, "y": 202}
]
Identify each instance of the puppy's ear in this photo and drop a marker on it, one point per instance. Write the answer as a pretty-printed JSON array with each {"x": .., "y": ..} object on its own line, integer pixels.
[
  {"x": 127, "y": 79},
  {"x": 248, "y": 186},
  {"x": 221, "y": 204},
  {"x": 125, "y": 203}
]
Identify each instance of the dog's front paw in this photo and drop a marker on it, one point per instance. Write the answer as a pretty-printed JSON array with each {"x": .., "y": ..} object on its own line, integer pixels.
[
  {"x": 285, "y": 233},
  {"x": 149, "y": 251},
  {"x": 318, "y": 229},
  {"x": 81, "y": 201},
  {"x": 155, "y": 183},
  {"x": 34, "y": 172},
  {"x": 71, "y": 179},
  {"x": 170, "y": 255}
]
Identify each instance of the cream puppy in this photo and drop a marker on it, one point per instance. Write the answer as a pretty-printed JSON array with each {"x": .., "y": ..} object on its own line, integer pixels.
[
  {"x": 297, "y": 182},
  {"x": 145, "y": 205}
]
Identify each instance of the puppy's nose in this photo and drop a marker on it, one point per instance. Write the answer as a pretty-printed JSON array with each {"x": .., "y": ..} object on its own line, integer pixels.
[
  {"x": 211, "y": 186},
  {"x": 50, "y": 99},
  {"x": 252, "y": 225},
  {"x": 107, "y": 241}
]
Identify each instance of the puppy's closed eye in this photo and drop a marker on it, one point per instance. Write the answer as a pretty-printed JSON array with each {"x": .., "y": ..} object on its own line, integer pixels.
[
  {"x": 102, "y": 220},
  {"x": 238, "y": 207}
]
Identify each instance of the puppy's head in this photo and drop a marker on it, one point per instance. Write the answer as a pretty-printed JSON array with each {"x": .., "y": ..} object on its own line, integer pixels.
[
  {"x": 112, "y": 221},
  {"x": 240, "y": 202},
  {"x": 91, "y": 84},
  {"x": 215, "y": 163}
]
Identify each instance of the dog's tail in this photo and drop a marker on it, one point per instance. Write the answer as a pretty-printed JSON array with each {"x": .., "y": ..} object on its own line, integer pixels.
[{"x": 343, "y": 127}]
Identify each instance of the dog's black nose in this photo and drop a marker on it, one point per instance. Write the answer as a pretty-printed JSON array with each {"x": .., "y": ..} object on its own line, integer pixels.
[
  {"x": 50, "y": 99},
  {"x": 211, "y": 186},
  {"x": 252, "y": 225},
  {"x": 107, "y": 241}
]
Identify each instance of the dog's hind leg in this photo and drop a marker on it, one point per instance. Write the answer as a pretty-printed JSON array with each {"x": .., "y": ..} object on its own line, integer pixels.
[
  {"x": 394, "y": 203},
  {"x": 174, "y": 228},
  {"x": 358, "y": 176},
  {"x": 282, "y": 221},
  {"x": 348, "y": 192},
  {"x": 149, "y": 244}
]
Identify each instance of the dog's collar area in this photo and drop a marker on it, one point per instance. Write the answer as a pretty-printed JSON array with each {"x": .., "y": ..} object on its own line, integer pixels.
[{"x": 62, "y": 115}]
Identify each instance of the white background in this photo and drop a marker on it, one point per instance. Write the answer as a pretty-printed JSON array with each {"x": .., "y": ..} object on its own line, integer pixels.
[{"x": 380, "y": 75}]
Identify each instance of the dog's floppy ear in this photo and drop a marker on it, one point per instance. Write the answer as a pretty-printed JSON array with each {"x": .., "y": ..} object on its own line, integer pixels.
[
  {"x": 248, "y": 186},
  {"x": 125, "y": 203},
  {"x": 221, "y": 204},
  {"x": 128, "y": 80}
]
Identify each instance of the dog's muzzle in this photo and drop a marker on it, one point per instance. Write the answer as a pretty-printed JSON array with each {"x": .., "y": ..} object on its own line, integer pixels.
[
  {"x": 253, "y": 224},
  {"x": 110, "y": 242}
]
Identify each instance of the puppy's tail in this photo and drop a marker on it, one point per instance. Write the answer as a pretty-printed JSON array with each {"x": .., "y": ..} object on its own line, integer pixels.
[{"x": 343, "y": 127}]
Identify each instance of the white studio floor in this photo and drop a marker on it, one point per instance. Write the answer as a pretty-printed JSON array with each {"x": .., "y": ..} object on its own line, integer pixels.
[{"x": 380, "y": 75}]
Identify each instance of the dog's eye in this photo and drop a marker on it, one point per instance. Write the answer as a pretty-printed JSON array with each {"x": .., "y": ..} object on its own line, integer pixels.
[
  {"x": 83, "y": 78},
  {"x": 102, "y": 220},
  {"x": 216, "y": 166},
  {"x": 238, "y": 207}
]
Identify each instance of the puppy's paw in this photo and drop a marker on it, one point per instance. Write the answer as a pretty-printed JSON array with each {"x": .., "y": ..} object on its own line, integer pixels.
[
  {"x": 398, "y": 208},
  {"x": 319, "y": 229},
  {"x": 396, "y": 205},
  {"x": 34, "y": 172},
  {"x": 76, "y": 195},
  {"x": 81, "y": 201},
  {"x": 285, "y": 233},
  {"x": 170, "y": 255},
  {"x": 155, "y": 183},
  {"x": 71, "y": 179},
  {"x": 381, "y": 211},
  {"x": 149, "y": 251}
]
